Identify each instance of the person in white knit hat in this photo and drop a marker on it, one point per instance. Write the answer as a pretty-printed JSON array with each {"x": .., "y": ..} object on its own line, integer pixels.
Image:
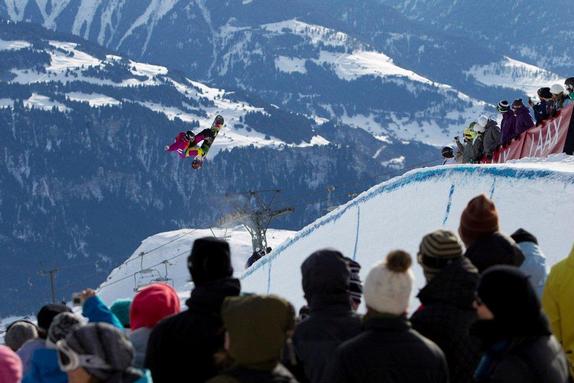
[{"x": 388, "y": 349}]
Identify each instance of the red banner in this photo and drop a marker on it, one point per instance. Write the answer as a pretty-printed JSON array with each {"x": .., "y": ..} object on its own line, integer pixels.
[{"x": 539, "y": 141}]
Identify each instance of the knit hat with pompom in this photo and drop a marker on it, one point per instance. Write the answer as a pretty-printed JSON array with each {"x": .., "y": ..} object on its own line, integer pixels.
[{"x": 389, "y": 284}]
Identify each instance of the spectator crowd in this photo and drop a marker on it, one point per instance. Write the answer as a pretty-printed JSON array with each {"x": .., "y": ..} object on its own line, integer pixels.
[
  {"x": 489, "y": 312},
  {"x": 483, "y": 136}
]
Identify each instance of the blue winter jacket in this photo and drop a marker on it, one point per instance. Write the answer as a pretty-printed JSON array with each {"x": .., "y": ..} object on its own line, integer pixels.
[
  {"x": 534, "y": 265},
  {"x": 44, "y": 368},
  {"x": 96, "y": 311}
]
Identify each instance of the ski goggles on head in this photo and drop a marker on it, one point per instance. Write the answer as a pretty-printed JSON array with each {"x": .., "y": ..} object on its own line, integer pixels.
[{"x": 70, "y": 360}]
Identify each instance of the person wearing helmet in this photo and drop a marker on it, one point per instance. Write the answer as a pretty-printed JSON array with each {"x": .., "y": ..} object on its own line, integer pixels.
[
  {"x": 466, "y": 149},
  {"x": 569, "y": 85},
  {"x": 508, "y": 122},
  {"x": 491, "y": 140},
  {"x": 448, "y": 156}
]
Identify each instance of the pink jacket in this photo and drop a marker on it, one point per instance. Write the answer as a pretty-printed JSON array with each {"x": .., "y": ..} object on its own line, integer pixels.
[{"x": 179, "y": 145}]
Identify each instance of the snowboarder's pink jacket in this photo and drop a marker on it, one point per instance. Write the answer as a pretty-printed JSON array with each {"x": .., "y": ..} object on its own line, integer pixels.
[{"x": 179, "y": 145}]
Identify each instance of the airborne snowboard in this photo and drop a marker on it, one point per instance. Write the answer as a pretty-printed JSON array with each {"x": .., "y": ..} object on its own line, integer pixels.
[{"x": 209, "y": 136}]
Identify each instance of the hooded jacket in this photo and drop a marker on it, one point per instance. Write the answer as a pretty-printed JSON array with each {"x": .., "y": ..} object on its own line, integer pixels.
[
  {"x": 389, "y": 351},
  {"x": 558, "y": 304},
  {"x": 523, "y": 121},
  {"x": 257, "y": 327},
  {"x": 183, "y": 345},
  {"x": 494, "y": 249},
  {"x": 446, "y": 315},
  {"x": 331, "y": 320},
  {"x": 534, "y": 264},
  {"x": 492, "y": 138},
  {"x": 507, "y": 127}
]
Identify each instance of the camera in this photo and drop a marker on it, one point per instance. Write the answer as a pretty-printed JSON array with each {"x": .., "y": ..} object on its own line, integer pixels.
[{"x": 76, "y": 299}]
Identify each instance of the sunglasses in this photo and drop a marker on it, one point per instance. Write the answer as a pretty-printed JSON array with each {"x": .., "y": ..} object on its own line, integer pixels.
[{"x": 69, "y": 360}]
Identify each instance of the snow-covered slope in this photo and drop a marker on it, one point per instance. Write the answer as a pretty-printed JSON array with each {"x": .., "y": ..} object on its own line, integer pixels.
[
  {"x": 167, "y": 253},
  {"x": 396, "y": 214}
]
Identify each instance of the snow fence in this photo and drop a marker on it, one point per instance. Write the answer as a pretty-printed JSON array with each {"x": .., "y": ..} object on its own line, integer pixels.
[{"x": 538, "y": 197}]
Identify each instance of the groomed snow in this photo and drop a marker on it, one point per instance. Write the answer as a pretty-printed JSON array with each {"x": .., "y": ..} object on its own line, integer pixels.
[
  {"x": 396, "y": 214},
  {"x": 174, "y": 247}
]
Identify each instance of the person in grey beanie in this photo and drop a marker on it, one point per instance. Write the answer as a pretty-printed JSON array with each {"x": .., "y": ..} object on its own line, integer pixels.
[
  {"x": 98, "y": 353},
  {"x": 19, "y": 332}
]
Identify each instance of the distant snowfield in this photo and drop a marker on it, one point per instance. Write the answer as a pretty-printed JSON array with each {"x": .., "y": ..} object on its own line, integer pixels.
[
  {"x": 94, "y": 99},
  {"x": 515, "y": 74},
  {"x": 396, "y": 214},
  {"x": 13, "y": 45},
  {"x": 173, "y": 247}
]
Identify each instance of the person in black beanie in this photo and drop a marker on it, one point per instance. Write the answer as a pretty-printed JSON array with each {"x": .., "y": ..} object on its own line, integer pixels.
[
  {"x": 516, "y": 340},
  {"x": 187, "y": 342},
  {"x": 326, "y": 277}
]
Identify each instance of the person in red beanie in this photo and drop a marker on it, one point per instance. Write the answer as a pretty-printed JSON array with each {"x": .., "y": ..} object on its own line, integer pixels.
[
  {"x": 485, "y": 245},
  {"x": 10, "y": 366},
  {"x": 150, "y": 305}
]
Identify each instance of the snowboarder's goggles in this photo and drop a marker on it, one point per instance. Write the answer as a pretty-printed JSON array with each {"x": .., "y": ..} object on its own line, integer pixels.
[{"x": 70, "y": 360}]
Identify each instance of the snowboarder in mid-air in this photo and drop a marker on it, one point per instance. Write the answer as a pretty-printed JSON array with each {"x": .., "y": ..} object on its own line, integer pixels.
[{"x": 186, "y": 144}]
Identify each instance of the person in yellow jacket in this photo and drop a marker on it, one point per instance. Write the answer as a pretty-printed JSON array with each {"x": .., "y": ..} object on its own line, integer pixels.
[{"x": 558, "y": 304}]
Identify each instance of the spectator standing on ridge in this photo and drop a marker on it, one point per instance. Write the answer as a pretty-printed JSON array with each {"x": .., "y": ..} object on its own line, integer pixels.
[
  {"x": 478, "y": 144},
  {"x": 19, "y": 332},
  {"x": 99, "y": 352},
  {"x": 569, "y": 85},
  {"x": 446, "y": 312},
  {"x": 559, "y": 99},
  {"x": 541, "y": 108},
  {"x": 558, "y": 304},
  {"x": 491, "y": 137},
  {"x": 485, "y": 245},
  {"x": 331, "y": 321},
  {"x": 257, "y": 329},
  {"x": 508, "y": 122},
  {"x": 184, "y": 345},
  {"x": 466, "y": 149},
  {"x": 150, "y": 305},
  {"x": 516, "y": 339},
  {"x": 43, "y": 365},
  {"x": 10, "y": 366},
  {"x": 44, "y": 317},
  {"x": 523, "y": 119},
  {"x": 388, "y": 350},
  {"x": 448, "y": 156},
  {"x": 534, "y": 264}
]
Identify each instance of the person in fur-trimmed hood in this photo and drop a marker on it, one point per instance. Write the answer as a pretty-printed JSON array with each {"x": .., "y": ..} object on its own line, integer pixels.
[{"x": 388, "y": 350}]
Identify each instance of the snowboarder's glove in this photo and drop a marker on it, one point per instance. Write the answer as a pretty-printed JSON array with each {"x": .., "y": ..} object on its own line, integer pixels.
[{"x": 166, "y": 148}]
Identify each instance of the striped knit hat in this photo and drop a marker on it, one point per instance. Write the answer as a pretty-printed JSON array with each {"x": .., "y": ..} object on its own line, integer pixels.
[
  {"x": 503, "y": 106},
  {"x": 355, "y": 284},
  {"x": 438, "y": 249}
]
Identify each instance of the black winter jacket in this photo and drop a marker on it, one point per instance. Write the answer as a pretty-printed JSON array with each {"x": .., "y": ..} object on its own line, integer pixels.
[
  {"x": 531, "y": 360},
  {"x": 247, "y": 375},
  {"x": 495, "y": 249},
  {"x": 331, "y": 320},
  {"x": 446, "y": 315},
  {"x": 388, "y": 351},
  {"x": 181, "y": 348}
]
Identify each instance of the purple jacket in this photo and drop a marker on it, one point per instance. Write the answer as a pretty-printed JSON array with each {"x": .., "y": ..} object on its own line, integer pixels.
[
  {"x": 507, "y": 127},
  {"x": 523, "y": 121}
]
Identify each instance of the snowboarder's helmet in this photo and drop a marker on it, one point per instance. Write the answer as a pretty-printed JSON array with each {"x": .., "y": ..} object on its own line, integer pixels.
[{"x": 447, "y": 152}]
